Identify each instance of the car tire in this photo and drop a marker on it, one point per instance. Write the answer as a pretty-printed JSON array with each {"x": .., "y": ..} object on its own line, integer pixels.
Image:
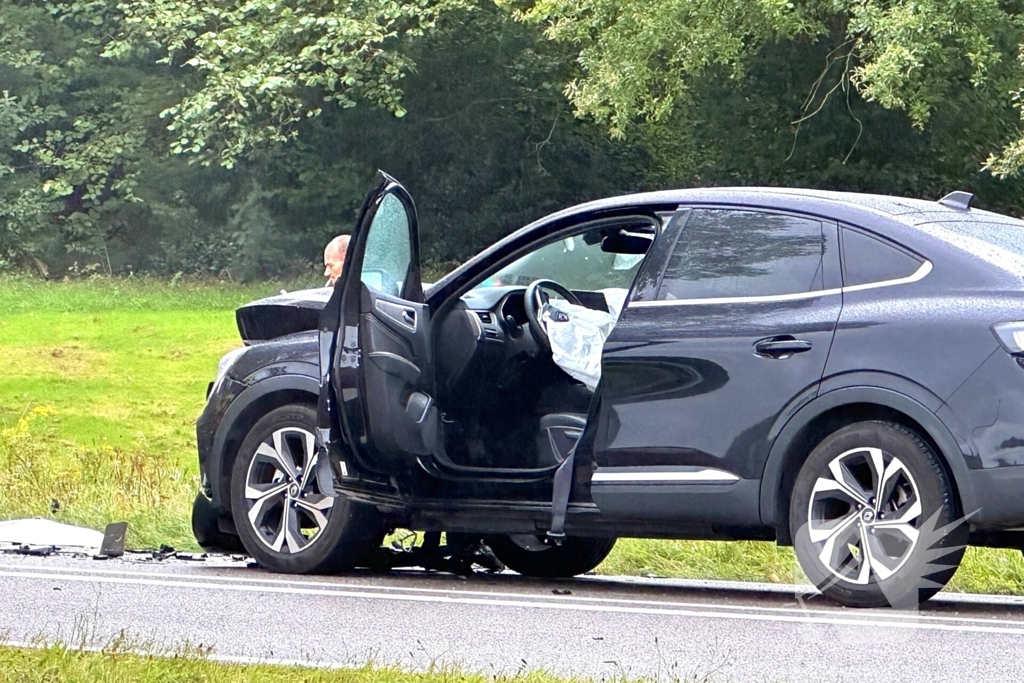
[
  {"x": 530, "y": 556},
  {"x": 284, "y": 521},
  {"x": 875, "y": 519},
  {"x": 206, "y": 528}
]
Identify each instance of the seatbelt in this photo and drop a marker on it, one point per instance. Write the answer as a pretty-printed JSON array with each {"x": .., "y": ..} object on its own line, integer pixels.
[{"x": 560, "y": 499}]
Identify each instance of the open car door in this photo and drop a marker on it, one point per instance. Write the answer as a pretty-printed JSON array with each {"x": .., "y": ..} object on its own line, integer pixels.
[{"x": 375, "y": 356}]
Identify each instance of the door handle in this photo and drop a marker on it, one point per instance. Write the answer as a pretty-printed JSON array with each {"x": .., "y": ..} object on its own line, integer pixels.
[
  {"x": 781, "y": 347},
  {"x": 397, "y": 313}
]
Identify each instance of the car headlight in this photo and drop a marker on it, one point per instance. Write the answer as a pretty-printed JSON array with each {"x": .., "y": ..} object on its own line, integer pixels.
[{"x": 225, "y": 364}]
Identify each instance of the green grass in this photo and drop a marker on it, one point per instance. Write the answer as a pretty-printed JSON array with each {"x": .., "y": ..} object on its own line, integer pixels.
[
  {"x": 122, "y": 362},
  {"x": 102, "y": 384},
  {"x": 115, "y": 664},
  {"x": 984, "y": 570},
  {"x": 103, "y": 381}
]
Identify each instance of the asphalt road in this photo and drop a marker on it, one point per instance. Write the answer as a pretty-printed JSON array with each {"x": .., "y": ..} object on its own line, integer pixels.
[{"x": 498, "y": 624}]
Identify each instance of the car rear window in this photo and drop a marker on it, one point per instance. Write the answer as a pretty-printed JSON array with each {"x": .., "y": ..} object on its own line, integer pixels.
[
  {"x": 1005, "y": 235},
  {"x": 1000, "y": 243},
  {"x": 867, "y": 259},
  {"x": 739, "y": 254}
]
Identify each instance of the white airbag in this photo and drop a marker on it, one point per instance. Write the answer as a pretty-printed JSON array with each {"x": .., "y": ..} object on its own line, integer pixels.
[{"x": 577, "y": 334}]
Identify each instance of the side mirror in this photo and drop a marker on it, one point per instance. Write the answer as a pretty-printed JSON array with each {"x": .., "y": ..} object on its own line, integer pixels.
[{"x": 624, "y": 242}]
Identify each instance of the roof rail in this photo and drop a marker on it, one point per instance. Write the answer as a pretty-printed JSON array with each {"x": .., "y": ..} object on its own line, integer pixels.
[{"x": 961, "y": 201}]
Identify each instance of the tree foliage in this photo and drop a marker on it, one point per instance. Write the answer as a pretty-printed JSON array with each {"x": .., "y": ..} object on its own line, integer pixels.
[
  {"x": 235, "y": 137},
  {"x": 640, "y": 61},
  {"x": 266, "y": 65},
  {"x": 75, "y": 133}
]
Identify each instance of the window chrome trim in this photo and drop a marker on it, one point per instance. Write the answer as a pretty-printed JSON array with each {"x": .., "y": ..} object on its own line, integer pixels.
[
  {"x": 798, "y": 296},
  {"x": 706, "y": 475},
  {"x": 919, "y": 274}
]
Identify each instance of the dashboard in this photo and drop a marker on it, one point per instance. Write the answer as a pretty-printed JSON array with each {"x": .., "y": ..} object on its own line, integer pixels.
[
  {"x": 501, "y": 310},
  {"x": 488, "y": 334}
]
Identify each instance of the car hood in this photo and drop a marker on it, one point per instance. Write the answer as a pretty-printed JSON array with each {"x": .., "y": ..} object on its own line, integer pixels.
[
  {"x": 284, "y": 314},
  {"x": 281, "y": 315}
]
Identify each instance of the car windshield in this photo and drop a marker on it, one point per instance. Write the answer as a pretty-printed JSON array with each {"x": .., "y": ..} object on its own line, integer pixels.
[{"x": 576, "y": 262}]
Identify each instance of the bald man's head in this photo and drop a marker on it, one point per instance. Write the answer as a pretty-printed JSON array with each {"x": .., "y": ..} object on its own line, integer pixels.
[{"x": 334, "y": 258}]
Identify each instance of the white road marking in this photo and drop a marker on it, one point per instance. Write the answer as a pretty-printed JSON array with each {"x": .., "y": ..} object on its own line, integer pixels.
[
  {"x": 701, "y": 611},
  {"x": 384, "y": 590}
]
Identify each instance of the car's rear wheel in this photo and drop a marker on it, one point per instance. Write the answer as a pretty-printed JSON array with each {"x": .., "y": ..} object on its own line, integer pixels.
[
  {"x": 869, "y": 517},
  {"x": 528, "y": 555},
  {"x": 283, "y": 519}
]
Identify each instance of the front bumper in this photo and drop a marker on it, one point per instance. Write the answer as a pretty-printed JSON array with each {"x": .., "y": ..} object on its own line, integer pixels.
[{"x": 207, "y": 425}]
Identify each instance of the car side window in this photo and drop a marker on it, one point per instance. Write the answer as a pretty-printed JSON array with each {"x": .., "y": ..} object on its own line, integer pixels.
[
  {"x": 577, "y": 262},
  {"x": 388, "y": 252},
  {"x": 725, "y": 253},
  {"x": 867, "y": 259}
]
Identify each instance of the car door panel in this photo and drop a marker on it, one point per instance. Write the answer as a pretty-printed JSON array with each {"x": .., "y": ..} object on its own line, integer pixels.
[
  {"x": 397, "y": 387},
  {"x": 376, "y": 404},
  {"x": 704, "y": 396},
  {"x": 692, "y": 389}
]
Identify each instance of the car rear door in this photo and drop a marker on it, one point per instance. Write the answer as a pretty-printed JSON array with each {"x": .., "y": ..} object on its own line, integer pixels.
[
  {"x": 375, "y": 353},
  {"x": 697, "y": 372}
]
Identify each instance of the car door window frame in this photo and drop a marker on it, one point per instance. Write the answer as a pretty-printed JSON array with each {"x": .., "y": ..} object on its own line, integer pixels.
[
  {"x": 924, "y": 264},
  {"x": 826, "y": 225},
  {"x": 412, "y": 288},
  {"x": 381, "y": 250}
]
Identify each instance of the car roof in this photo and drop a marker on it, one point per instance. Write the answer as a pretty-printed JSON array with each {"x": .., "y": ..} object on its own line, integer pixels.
[
  {"x": 897, "y": 217},
  {"x": 839, "y": 205}
]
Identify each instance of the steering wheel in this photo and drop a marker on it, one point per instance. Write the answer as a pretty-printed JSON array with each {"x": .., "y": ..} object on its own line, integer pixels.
[{"x": 533, "y": 302}]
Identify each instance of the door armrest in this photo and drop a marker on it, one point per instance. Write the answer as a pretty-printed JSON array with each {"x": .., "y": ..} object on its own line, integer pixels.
[{"x": 394, "y": 364}]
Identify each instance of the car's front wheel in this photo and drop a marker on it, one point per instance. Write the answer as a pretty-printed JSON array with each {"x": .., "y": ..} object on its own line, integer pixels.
[
  {"x": 875, "y": 519},
  {"x": 528, "y": 555},
  {"x": 283, "y": 519}
]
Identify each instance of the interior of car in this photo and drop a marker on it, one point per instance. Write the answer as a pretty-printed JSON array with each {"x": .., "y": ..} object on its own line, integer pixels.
[{"x": 530, "y": 409}]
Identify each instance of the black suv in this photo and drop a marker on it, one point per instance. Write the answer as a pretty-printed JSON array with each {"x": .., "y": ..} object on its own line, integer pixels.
[{"x": 839, "y": 372}]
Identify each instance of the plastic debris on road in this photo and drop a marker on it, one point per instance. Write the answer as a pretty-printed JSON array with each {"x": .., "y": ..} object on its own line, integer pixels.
[{"x": 36, "y": 534}]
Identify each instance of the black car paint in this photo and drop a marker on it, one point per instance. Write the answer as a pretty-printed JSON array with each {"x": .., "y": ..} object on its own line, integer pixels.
[
  {"x": 954, "y": 405},
  {"x": 281, "y": 315},
  {"x": 241, "y": 399}
]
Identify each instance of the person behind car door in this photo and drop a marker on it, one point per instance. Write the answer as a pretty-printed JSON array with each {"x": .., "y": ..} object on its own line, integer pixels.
[{"x": 334, "y": 259}]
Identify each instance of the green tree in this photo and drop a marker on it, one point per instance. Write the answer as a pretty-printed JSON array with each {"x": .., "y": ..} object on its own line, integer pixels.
[
  {"x": 76, "y": 129},
  {"x": 106, "y": 106},
  {"x": 642, "y": 61},
  {"x": 265, "y": 65}
]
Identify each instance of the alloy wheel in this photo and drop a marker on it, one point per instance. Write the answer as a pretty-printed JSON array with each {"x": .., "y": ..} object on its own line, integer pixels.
[
  {"x": 864, "y": 516},
  {"x": 282, "y": 498}
]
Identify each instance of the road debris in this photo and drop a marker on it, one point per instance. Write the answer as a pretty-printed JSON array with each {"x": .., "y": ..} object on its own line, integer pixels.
[
  {"x": 113, "y": 539},
  {"x": 45, "y": 536}
]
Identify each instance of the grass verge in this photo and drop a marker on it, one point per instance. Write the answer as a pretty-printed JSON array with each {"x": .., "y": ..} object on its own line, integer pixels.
[
  {"x": 43, "y": 474},
  {"x": 98, "y": 399},
  {"x": 113, "y": 665}
]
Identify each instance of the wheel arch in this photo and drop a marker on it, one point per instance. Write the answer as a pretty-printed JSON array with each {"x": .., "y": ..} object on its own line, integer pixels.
[
  {"x": 833, "y": 410},
  {"x": 252, "y": 404}
]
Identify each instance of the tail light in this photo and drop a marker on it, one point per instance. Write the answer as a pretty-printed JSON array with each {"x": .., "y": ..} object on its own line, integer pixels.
[{"x": 1011, "y": 336}]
